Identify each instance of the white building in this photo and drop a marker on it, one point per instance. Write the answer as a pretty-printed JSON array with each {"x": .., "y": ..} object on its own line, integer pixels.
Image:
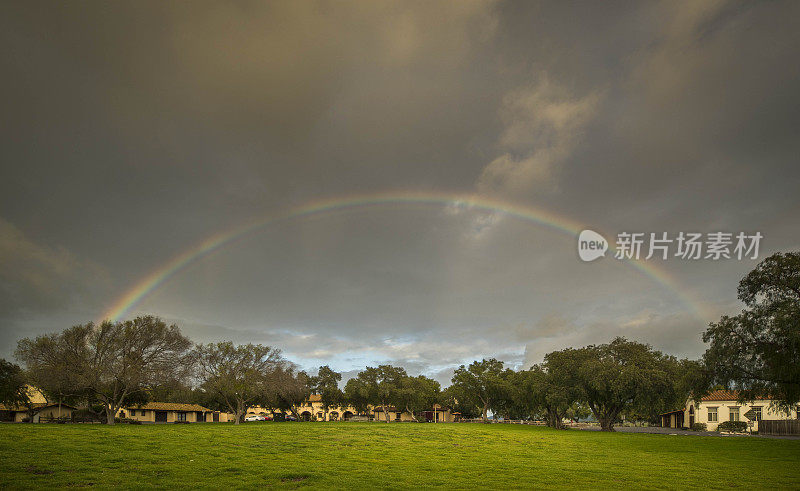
[{"x": 723, "y": 405}]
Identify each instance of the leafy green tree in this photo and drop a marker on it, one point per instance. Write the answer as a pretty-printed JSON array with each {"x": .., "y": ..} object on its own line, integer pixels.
[
  {"x": 578, "y": 411},
  {"x": 619, "y": 377},
  {"x": 758, "y": 351},
  {"x": 482, "y": 384},
  {"x": 547, "y": 390},
  {"x": 326, "y": 385},
  {"x": 416, "y": 394},
  {"x": 357, "y": 393},
  {"x": 242, "y": 376},
  {"x": 452, "y": 397},
  {"x": 375, "y": 386}
]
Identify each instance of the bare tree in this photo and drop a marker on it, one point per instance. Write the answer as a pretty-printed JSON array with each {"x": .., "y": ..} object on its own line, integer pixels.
[{"x": 111, "y": 363}]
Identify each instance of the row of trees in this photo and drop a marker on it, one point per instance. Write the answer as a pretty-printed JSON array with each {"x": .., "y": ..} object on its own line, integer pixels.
[
  {"x": 112, "y": 365},
  {"x": 115, "y": 365},
  {"x": 608, "y": 381}
]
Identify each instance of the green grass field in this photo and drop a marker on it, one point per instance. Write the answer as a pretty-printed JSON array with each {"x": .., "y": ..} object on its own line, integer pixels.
[{"x": 397, "y": 455}]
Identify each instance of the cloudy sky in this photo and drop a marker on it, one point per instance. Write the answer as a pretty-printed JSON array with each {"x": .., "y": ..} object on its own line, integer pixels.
[{"x": 131, "y": 132}]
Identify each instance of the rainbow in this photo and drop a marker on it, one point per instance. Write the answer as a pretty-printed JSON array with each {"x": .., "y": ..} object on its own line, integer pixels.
[{"x": 536, "y": 215}]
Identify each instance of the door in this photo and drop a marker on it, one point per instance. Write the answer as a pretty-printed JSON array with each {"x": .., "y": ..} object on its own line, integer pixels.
[
  {"x": 161, "y": 416},
  {"x": 216, "y": 417}
]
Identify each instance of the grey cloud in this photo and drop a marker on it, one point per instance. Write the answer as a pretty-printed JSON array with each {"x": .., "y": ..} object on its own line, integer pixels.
[
  {"x": 542, "y": 122},
  {"x": 133, "y": 132},
  {"x": 36, "y": 278}
]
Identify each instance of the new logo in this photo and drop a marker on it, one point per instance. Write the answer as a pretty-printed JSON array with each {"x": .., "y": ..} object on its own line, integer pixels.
[{"x": 591, "y": 245}]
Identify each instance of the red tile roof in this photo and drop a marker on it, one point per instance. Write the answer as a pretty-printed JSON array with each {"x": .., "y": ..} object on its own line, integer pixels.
[
  {"x": 721, "y": 395},
  {"x": 726, "y": 395}
]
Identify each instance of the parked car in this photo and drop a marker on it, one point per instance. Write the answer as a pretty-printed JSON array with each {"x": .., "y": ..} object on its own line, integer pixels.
[{"x": 255, "y": 417}]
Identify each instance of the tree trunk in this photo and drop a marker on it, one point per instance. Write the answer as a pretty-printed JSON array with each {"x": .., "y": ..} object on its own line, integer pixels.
[
  {"x": 606, "y": 424},
  {"x": 110, "y": 414},
  {"x": 485, "y": 414}
]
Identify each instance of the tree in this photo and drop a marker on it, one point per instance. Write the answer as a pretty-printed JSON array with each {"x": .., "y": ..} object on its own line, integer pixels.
[
  {"x": 326, "y": 385},
  {"x": 415, "y": 394},
  {"x": 113, "y": 363},
  {"x": 292, "y": 390},
  {"x": 357, "y": 394},
  {"x": 546, "y": 391},
  {"x": 482, "y": 384},
  {"x": 614, "y": 378},
  {"x": 376, "y": 386},
  {"x": 48, "y": 369},
  {"x": 242, "y": 376},
  {"x": 578, "y": 411},
  {"x": 453, "y": 398},
  {"x": 758, "y": 350},
  {"x": 13, "y": 388}
]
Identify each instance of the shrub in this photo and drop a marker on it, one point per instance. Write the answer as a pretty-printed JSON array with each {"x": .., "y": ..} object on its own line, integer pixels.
[
  {"x": 735, "y": 426},
  {"x": 699, "y": 427}
]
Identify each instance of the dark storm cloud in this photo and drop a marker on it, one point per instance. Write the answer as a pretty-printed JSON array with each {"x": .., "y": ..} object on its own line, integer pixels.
[{"x": 131, "y": 131}]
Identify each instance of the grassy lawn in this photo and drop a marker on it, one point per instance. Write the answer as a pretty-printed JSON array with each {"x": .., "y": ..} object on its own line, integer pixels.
[{"x": 397, "y": 455}]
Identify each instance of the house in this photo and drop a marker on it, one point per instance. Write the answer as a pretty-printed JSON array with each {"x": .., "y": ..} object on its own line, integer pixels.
[
  {"x": 42, "y": 412},
  {"x": 723, "y": 405},
  {"x": 312, "y": 409},
  {"x": 172, "y": 412},
  {"x": 436, "y": 414}
]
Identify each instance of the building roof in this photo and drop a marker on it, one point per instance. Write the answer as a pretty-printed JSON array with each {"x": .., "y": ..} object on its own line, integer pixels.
[
  {"x": 721, "y": 395},
  {"x": 314, "y": 398},
  {"x": 170, "y": 406},
  {"x": 728, "y": 395}
]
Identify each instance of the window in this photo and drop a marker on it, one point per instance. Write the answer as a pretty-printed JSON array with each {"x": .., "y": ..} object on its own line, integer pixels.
[
  {"x": 122, "y": 414},
  {"x": 757, "y": 413},
  {"x": 713, "y": 416},
  {"x": 734, "y": 414},
  {"x": 180, "y": 416},
  {"x": 143, "y": 412}
]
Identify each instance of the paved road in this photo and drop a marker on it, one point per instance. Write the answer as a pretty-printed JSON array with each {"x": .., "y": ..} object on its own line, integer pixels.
[{"x": 673, "y": 431}]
